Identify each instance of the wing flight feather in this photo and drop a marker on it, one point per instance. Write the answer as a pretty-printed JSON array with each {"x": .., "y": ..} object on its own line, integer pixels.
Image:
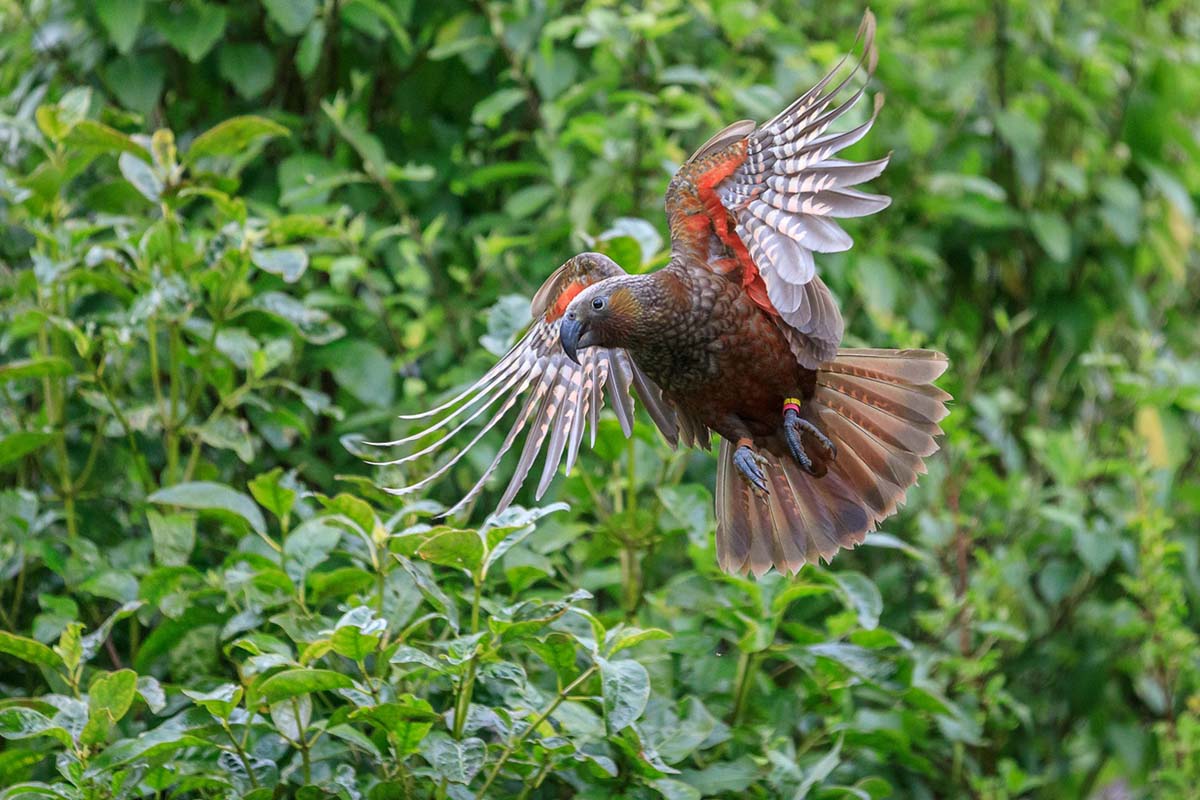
[
  {"x": 783, "y": 196},
  {"x": 557, "y": 400}
]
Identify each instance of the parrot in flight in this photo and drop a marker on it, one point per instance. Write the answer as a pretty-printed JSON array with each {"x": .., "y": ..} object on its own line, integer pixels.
[{"x": 736, "y": 336}]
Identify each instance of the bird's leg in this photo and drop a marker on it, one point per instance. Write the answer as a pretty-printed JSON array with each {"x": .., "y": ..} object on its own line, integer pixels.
[
  {"x": 749, "y": 463},
  {"x": 794, "y": 426}
]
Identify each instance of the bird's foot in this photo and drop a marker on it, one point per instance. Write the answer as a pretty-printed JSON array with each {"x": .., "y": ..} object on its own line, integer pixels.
[
  {"x": 794, "y": 428},
  {"x": 749, "y": 463}
]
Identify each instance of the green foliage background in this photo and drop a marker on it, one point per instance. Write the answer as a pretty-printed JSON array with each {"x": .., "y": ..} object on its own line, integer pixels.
[{"x": 236, "y": 239}]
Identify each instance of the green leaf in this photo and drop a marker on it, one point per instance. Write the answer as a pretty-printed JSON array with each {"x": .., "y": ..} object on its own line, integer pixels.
[
  {"x": 220, "y": 702},
  {"x": 193, "y": 28},
  {"x": 152, "y": 692},
  {"x": 492, "y": 108},
  {"x": 558, "y": 651},
  {"x": 411, "y": 655},
  {"x": 287, "y": 262},
  {"x": 621, "y": 637},
  {"x": 41, "y": 367},
  {"x": 292, "y": 717},
  {"x": 114, "y": 584},
  {"x": 363, "y": 370},
  {"x": 819, "y": 771},
  {"x": 136, "y": 80},
  {"x": 358, "y": 634},
  {"x": 272, "y": 495},
  {"x": 308, "y": 545},
  {"x": 295, "y": 682},
  {"x": 233, "y": 137},
  {"x": 292, "y": 16},
  {"x": 376, "y": 18},
  {"x": 228, "y": 432},
  {"x": 690, "y": 507},
  {"x": 15, "y": 446},
  {"x": 50, "y": 123},
  {"x": 675, "y": 790},
  {"x": 314, "y": 325},
  {"x": 249, "y": 67},
  {"x": 173, "y": 536},
  {"x": 456, "y": 762},
  {"x": 155, "y": 744},
  {"x": 505, "y": 321},
  {"x": 23, "y": 723},
  {"x": 121, "y": 20},
  {"x": 355, "y": 509},
  {"x": 29, "y": 650},
  {"x": 724, "y": 776},
  {"x": 308, "y": 54},
  {"x": 862, "y": 595},
  {"x": 682, "y": 738},
  {"x": 70, "y": 646},
  {"x": 92, "y": 135},
  {"x": 141, "y": 176},
  {"x": 409, "y": 720},
  {"x": 109, "y": 698},
  {"x": 452, "y": 547},
  {"x": 648, "y": 238},
  {"x": 626, "y": 688},
  {"x": 90, "y": 644},
  {"x": 1052, "y": 233},
  {"x": 208, "y": 496},
  {"x": 368, "y": 146}
]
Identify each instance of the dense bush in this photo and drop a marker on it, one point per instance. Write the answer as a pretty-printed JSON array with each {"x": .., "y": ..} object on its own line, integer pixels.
[{"x": 238, "y": 238}]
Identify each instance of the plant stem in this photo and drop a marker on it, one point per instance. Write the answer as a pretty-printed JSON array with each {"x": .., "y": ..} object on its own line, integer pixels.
[
  {"x": 138, "y": 458},
  {"x": 745, "y": 672},
  {"x": 241, "y": 751},
  {"x": 536, "y": 782},
  {"x": 631, "y": 478},
  {"x": 55, "y": 401},
  {"x": 631, "y": 590},
  {"x": 18, "y": 595},
  {"x": 155, "y": 377},
  {"x": 515, "y": 743},
  {"x": 463, "y": 702},
  {"x": 172, "y": 431},
  {"x": 362, "y": 669},
  {"x": 630, "y": 568},
  {"x": 90, "y": 464},
  {"x": 302, "y": 743}
]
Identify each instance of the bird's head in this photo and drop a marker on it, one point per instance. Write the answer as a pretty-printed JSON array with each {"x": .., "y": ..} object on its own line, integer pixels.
[{"x": 605, "y": 314}]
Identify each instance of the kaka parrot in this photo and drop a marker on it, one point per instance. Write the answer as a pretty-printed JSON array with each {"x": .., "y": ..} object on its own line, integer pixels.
[{"x": 738, "y": 336}]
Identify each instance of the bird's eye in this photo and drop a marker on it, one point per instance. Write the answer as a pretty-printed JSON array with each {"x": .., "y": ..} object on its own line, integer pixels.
[{"x": 598, "y": 303}]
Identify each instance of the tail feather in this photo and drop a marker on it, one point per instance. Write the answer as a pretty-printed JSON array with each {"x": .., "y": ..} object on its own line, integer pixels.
[{"x": 882, "y": 411}]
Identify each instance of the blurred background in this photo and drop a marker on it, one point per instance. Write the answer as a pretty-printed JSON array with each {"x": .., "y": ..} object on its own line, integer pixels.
[{"x": 237, "y": 239}]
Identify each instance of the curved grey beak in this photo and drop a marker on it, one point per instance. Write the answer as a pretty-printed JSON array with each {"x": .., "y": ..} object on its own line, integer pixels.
[{"x": 569, "y": 332}]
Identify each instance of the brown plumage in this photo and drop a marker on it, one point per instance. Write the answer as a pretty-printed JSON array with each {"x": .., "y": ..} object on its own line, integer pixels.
[{"x": 736, "y": 336}]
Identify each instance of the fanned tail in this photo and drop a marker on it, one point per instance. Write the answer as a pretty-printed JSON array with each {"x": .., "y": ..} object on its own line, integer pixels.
[{"x": 881, "y": 410}]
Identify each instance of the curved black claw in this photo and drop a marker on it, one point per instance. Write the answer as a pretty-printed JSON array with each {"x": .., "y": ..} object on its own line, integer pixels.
[
  {"x": 746, "y": 460},
  {"x": 793, "y": 427}
]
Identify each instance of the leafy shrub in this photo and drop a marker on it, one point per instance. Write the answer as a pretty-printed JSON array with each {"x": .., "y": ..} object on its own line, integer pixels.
[{"x": 236, "y": 238}]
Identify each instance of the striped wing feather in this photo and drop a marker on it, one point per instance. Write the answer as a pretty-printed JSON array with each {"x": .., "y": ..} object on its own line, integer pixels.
[
  {"x": 556, "y": 401},
  {"x": 790, "y": 188}
]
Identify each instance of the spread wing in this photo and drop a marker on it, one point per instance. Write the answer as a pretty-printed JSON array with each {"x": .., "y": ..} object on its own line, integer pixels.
[
  {"x": 756, "y": 202},
  {"x": 555, "y": 399}
]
